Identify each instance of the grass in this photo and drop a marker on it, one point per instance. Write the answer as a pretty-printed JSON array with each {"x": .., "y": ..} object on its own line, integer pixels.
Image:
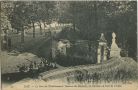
[{"x": 115, "y": 70}]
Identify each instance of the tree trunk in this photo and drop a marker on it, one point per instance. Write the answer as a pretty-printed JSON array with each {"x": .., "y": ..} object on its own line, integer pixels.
[
  {"x": 44, "y": 28},
  {"x": 40, "y": 28},
  {"x": 0, "y": 32},
  {"x": 0, "y": 42},
  {"x": 74, "y": 17},
  {"x": 17, "y": 31},
  {"x": 89, "y": 46},
  {"x": 22, "y": 35},
  {"x": 74, "y": 25},
  {"x": 33, "y": 30},
  {"x": 6, "y": 39},
  {"x": 96, "y": 16}
]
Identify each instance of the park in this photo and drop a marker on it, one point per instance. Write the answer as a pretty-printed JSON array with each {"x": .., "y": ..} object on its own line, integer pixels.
[{"x": 71, "y": 41}]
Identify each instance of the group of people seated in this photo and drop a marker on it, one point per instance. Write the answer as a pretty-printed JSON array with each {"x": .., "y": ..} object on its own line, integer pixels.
[{"x": 35, "y": 67}]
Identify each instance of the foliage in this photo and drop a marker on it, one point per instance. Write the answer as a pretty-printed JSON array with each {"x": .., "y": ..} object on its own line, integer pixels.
[
  {"x": 95, "y": 17},
  {"x": 90, "y": 17},
  {"x": 113, "y": 71},
  {"x": 19, "y": 16},
  {"x": 5, "y": 10},
  {"x": 72, "y": 60}
]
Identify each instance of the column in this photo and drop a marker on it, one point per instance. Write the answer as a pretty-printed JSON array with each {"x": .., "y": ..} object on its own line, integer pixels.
[
  {"x": 99, "y": 54},
  {"x": 105, "y": 53}
]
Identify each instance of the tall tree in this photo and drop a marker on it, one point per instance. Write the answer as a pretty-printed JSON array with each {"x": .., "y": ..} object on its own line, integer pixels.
[
  {"x": 94, "y": 17},
  {"x": 5, "y": 26},
  {"x": 19, "y": 18},
  {"x": 33, "y": 9}
]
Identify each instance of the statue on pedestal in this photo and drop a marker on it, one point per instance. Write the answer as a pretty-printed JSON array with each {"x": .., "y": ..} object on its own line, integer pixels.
[{"x": 115, "y": 50}]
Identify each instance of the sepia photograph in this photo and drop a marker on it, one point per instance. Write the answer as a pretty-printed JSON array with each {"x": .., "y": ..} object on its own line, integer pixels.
[{"x": 68, "y": 44}]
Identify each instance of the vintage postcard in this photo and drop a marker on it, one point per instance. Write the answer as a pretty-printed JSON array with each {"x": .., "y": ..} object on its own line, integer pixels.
[{"x": 68, "y": 45}]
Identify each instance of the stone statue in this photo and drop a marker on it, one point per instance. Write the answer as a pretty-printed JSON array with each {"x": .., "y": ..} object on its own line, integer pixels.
[
  {"x": 114, "y": 36},
  {"x": 115, "y": 50}
]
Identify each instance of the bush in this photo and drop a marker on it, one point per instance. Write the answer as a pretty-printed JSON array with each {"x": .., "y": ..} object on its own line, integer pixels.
[{"x": 72, "y": 60}]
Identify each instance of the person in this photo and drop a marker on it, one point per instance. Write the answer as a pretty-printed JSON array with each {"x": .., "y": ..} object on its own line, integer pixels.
[
  {"x": 22, "y": 69},
  {"x": 31, "y": 67},
  {"x": 35, "y": 65}
]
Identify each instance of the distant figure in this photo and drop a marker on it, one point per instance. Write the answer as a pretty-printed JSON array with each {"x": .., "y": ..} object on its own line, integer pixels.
[{"x": 31, "y": 66}]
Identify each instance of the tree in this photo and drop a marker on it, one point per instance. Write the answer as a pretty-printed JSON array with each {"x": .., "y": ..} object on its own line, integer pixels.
[
  {"x": 6, "y": 9},
  {"x": 46, "y": 13},
  {"x": 19, "y": 18},
  {"x": 33, "y": 17},
  {"x": 95, "y": 17}
]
